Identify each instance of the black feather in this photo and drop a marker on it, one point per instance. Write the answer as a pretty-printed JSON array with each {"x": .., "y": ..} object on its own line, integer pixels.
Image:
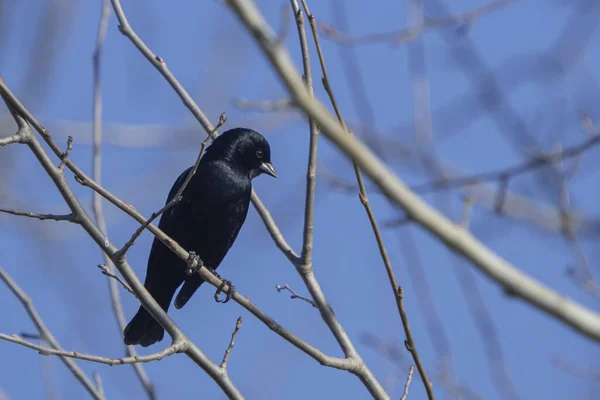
[{"x": 207, "y": 221}]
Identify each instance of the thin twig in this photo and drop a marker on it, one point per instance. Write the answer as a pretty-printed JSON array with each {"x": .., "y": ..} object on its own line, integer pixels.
[
  {"x": 106, "y": 271},
  {"x": 65, "y": 155},
  {"x": 178, "y": 196},
  {"x": 138, "y": 231},
  {"x": 294, "y": 295},
  {"x": 505, "y": 174},
  {"x": 407, "y": 384},
  {"x": 115, "y": 296},
  {"x": 410, "y": 345},
  {"x": 238, "y": 325},
  {"x": 42, "y": 217},
  {"x": 403, "y": 36}
]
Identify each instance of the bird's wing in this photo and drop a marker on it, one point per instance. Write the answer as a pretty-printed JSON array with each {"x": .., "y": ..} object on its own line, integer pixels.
[{"x": 178, "y": 183}]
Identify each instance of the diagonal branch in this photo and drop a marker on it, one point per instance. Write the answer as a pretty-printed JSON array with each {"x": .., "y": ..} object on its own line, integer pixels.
[
  {"x": 115, "y": 296},
  {"x": 501, "y": 271}
]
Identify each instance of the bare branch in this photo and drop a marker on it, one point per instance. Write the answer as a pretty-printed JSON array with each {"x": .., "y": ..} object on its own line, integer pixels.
[
  {"x": 161, "y": 66},
  {"x": 5, "y": 141},
  {"x": 139, "y": 230},
  {"x": 407, "y": 384},
  {"x": 65, "y": 155},
  {"x": 506, "y": 275},
  {"x": 109, "y": 269},
  {"x": 106, "y": 271},
  {"x": 294, "y": 295},
  {"x": 42, "y": 217},
  {"x": 504, "y": 175},
  {"x": 311, "y": 173},
  {"x": 47, "y": 351},
  {"x": 238, "y": 325},
  {"x": 410, "y": 345}
]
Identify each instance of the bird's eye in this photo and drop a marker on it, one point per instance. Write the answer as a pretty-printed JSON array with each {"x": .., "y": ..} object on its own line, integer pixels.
[{"x": 259, "y": 154}]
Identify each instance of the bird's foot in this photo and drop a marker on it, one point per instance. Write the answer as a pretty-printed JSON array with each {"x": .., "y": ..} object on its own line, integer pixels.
[
  {"x": 228, "y": 294},
  {"x": 191, "y": 269}
]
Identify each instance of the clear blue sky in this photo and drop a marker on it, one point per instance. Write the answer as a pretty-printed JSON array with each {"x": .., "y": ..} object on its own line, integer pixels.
[{"x": 212, "y": 56}]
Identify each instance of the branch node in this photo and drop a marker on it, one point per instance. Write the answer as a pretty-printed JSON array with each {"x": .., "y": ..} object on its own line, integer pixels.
[{"x": 65, "y": 156}]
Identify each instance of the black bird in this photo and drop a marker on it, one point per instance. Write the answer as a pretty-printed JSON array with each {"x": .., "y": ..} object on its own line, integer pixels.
[{"x": 206, "y": 221}]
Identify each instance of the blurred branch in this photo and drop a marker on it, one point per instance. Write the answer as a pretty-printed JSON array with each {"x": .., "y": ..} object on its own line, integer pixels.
[
  {"x": 47, "y": 335},
  {"x": 506, "y": 174},
  {"x": 109, "y": 269},
  {"x": 574, "y": 369},
  {"x": 585, "y": 275},
  {"x": 264, "y": 105},
  {"x": 399, "y": 37},
  {"x": 506, "y": 275}
]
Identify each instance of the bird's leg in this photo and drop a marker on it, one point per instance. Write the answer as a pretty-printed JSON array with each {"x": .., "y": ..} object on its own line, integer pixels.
[
  {"x": 191, "y": 269},
  {"x": 228, "y": 294}
]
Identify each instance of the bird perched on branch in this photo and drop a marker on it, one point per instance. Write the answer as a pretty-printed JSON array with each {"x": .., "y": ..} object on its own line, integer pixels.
[{"x": 206, "y": 222}]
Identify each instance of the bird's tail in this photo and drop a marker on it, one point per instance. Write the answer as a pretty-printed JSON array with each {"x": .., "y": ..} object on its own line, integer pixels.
[{"x": 143, "y": 329}]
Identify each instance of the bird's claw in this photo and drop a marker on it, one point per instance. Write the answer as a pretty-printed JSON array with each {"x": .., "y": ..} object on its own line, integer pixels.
[
  {"x": 191, "y": 269},
  {"x": 228, "y": 294}
]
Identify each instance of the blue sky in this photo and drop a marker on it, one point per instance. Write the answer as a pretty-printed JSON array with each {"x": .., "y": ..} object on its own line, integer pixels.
[{"x": 151, "y": 138}]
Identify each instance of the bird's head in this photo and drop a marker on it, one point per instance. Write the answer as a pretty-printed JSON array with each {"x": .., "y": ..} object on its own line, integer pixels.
[{"x": 246, "y": 149}]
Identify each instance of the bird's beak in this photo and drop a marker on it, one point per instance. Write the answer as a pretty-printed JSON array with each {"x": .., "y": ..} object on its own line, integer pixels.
[{"x": 268, "y": 169}]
